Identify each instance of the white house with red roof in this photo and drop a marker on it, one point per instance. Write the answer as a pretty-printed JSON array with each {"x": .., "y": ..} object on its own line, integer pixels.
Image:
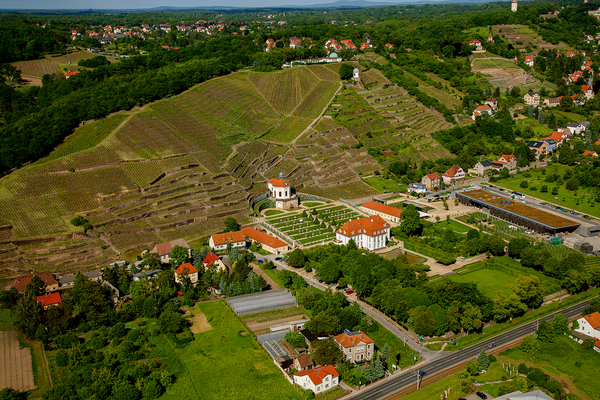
[
  {"x": 454, "y": 174},
  {"x": 490, "y": 38},
  {"x": 384, "y": 211},
  {"x": 281, "y": 192},
  {"x": 588, "y": 92},
  {"x": 213, "y": 261},
  {"x": 529, "y": 61},
  {"x": 369, "y": 233},
  {"x": 589, "y": 153},
  {"x": 590, "y": 325},
  {"x": 509, "y": 161},
  {"x": 268, "y": 242},
  {"x": 484, "y": 109},
  {"x": 186, "y": 269},
  {"x": 432, "y": 181},
  {"x": 318, "y": 379},
  {"x": 222, "y": 240},
  {"x": 356, "y": 346}
]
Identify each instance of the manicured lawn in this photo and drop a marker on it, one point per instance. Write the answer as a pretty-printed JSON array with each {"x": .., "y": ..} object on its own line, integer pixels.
[
  {"x": 223, "y": 364},
  {"x": 312, "y": 204},
  {"x": 572, "y": 116},
  {"x": 490, "y": 282},
  {"x": 268, "y": 213},
  {"x": 385, "y": 185},
  {"x": 566, "y": 360},
  {"x": 455, "y": 226},
  {"x": 565, "y": 198},
  {"x": 273, "y": 274},
  {"x": 435, "y": 346}
]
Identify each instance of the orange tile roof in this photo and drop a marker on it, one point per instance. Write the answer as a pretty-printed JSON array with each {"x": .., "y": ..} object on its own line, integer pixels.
[
  {"x": 318, "y": 374},
  {"x": 483, "y": 108},
  {"x": 21, "y": 282},
  {"x": 279, "y": 182},
  {"x": 211, "y": 258},
  {"x": 181, "y": 270},
  {"x": 556, "y": 136},
  {"x": 229, "y": 237},
  {"x": 263, "y": 238},
  {"x": 508, "y": 157},
  {"x": 49, "y": 299},
  {"x": 353, "y": 338},
  {"x": 589, "y": 153},
  {"x": 593, "y": 319},
  {"x": 433, "y": 176},
  {"x": 367, "y": 225},
  {"x": 452, "y": 171},
  {"x": 597, "y": 343},
  {"x": 597, "y": 143},
  {"x": 382, "y": 208}
]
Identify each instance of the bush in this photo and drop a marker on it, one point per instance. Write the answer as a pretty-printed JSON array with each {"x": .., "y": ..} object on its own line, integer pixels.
[
  {"x": 587, "y": 344},
  {"x": 522, "y": 368},
  {"x": 62, "y": 358},
  {"x": 78, "y": 221},
  {"x": 524, "y": 184}
]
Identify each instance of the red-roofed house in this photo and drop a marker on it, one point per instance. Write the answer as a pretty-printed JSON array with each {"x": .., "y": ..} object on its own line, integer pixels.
[
  {"x": 268, "y": 242},
  {"x": 597, "y": 143},
  {"x": 588, "y": 153},
  {"x": 369, "y": 233},
  {"x": 213, "y": 261},
  {"x": 432, "y": 181},
  {"x": 529, "y": 61},
  {"x": 588, "y": 91},
  {"x": 552, "y": 102},
  {"x": 50, "y": 300},
  {"x": 474, "y": 42},
  {"x": 51, "y": 284},
  {"x": 356, "y": 346},
  {"x": 186, "y": 269},
  {"x": 70, "y": 74},
  {"x": 455, "y": 173},
  {"x": 490, "y": 38},
  {"x": 484, "y": 109},
  {"x": 558, "y": 137},
  {"x": 590, "y": 325},
  {"x": 281, "y": 191},
  {"x": 303, "y": 362},
  {"x": 319, "y": 379},
  {"x": 509, "y": 160},
  {"x": 221, "y": 240},
  {"x": 384, "y": 211},
  {"x": 164, "y": 249}
]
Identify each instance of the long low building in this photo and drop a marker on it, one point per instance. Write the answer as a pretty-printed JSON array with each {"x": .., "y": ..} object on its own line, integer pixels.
[
  {"x": 521, "y": 214},
  {"x": 268, "y": 242},
  {"x": 392, "y": 214}
]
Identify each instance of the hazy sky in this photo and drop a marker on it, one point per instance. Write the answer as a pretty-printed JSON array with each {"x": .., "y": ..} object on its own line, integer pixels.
[{"x": 134, "y": 4}]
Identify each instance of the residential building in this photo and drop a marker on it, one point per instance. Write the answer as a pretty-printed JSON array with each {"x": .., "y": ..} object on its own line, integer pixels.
[
  {"x": 303, "y": 362},
  {"x": 588, "y": 91},
  {"x": 589, "y": 153},
  {"x": 492, "y": 102},
  {"x": 552, "y": 102},
  {"x": 490, "y": 38},
  {"x": 356, "y": 346},
  {"x": 590, "y": 325},
  {"x": 222, "y": 240},
  {"x": 597, "y": 143},
  {"x": 281, "y": 191},
  {"x": 186, "y": 269},
  {"x": 214, "y": 260},
  {"x": 475, "y": 43},
  {"x": 557, "y": 136},
  {"x": 532, "y": 99},
  {"x": 268, "y": 242},
  {"x": 552, "y": 145},
  {"x": 538, "y": 147},
  {"x": 68, "y": 281},
  {"x": 432, "y": 181},
  {"x": 479, "y": 111},
  {"x": 510, "y": 161},
  {"x": 529, "y": 61},
  {"x": 50, "y": 284},
  {"x": 164, "y": 249},
  {"x": 575, "y": 128},
  {"x": 310, "y": 337},
  {"x": 369, "y": 233},
  {"x": 481, "y": 168},
  {"x": 318, "y": 380},
  {"x": 454, "y": 175},
  {"x": 150, "y": 274},
  {"x": 386, "y": 212},
  {"x": 50, "y": 300}
]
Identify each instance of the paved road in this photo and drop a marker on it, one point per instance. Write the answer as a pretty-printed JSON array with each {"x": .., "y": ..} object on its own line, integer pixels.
[{"x": 448, "y": 359}]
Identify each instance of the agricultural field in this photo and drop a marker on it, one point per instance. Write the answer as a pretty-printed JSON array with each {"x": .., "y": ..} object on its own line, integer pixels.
[
  {"x": 501, "y": 72},
  {"x": 228, "y": 349},
  {"x": 385, "y": 185},
  {"x": 520, "y": 36},
  {"x": 37, "y": 68}
]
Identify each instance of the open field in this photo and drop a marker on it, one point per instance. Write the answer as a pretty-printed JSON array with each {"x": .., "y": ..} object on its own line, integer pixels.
[
  {"x": 225, "y": 352},
  {"x": 175, "y": 168},
  {"x": 37, "y": 67},
  {"x": 385, "y": 185},
  {"x": 490, "y": 282},
  {"x": 454, "y": 225},
  {"x": 565, "y": 361},
  {"x": 520, "y": 36},
  {"x": 199, "y": 322},
  {"x": 16, "y": 367}
]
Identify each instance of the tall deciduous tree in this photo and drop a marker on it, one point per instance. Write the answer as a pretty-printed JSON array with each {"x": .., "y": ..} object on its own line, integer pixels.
[
  {"x": 411, "y": 222},
  {"x": 471, "y": 317},
  {"x": 529, "y": 290},
  {"x": 326, "y": 352}
]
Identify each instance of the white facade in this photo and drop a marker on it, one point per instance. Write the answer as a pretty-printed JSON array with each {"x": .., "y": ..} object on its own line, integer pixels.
[
  {"x": 588, "y": 325},
  {"x": 365, "y": 241},
  {"x": 319, "y": 380},
  {"x": 513, "y": 6},
  {"x": 369, "y": 233}
]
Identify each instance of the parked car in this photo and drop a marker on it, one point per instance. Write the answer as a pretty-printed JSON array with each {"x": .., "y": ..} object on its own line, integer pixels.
[
  {"x": 261, "y": 262},
  {"x": 349, "y": 291},
  {"x": 481, "y": 395},
  {"x": 279, "y": 259},
  {"x": 319, "y": 280}
]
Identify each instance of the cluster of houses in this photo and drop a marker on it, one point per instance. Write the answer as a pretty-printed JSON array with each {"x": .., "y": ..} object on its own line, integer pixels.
[
  {"x": 488, "y": 107},
  {"x": 549, "y": 144},
  {"x": 485, "y": 167},
  {"x": 331, "y": 45},
  {"x": 357, "y": 348}
]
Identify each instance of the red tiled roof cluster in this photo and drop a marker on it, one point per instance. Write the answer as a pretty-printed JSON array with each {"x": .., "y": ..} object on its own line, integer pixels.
[
  {"x": 370, "y": 226},
  {"x": 353, "y": 338},
  {"x": 228, "y": 237},
  {"x": 318, "y": 374},
  {"x": 263, "y": 238},
  {"x": 382, "y": 208},
  {"x": 181, "y": 270}
]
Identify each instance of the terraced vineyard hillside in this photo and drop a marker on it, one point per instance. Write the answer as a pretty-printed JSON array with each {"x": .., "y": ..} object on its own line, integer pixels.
[
  {"x": 386, "y": 117},
  {"x": 180, "y": 166}
]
